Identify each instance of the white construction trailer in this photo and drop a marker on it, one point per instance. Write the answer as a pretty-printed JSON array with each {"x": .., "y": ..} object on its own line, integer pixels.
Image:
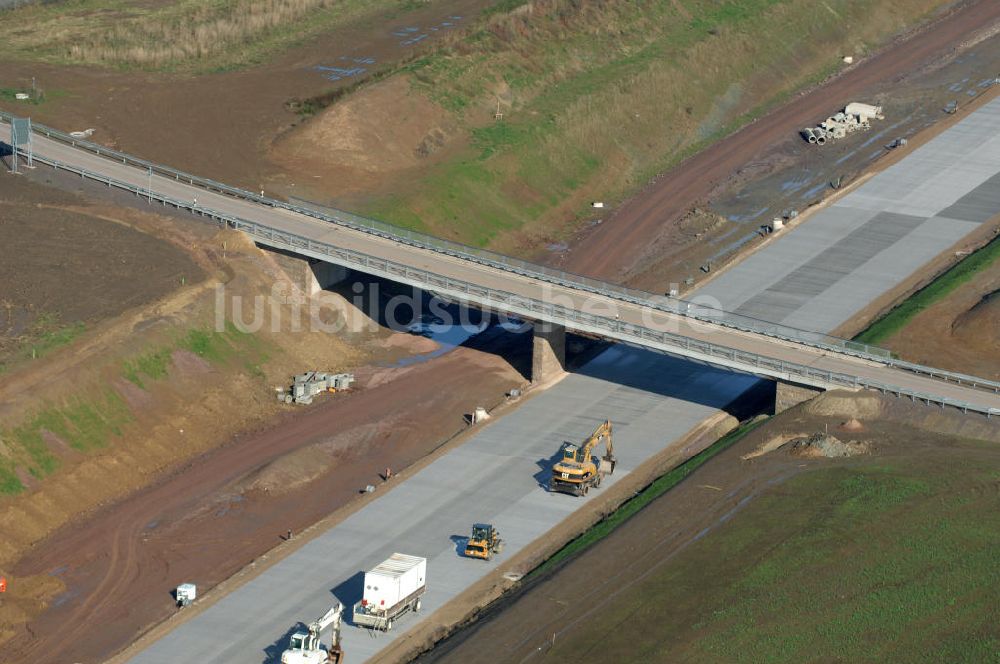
[{"x": 392, "y": 588}]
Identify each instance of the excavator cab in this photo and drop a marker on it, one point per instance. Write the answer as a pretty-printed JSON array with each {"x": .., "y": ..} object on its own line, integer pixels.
[
  {"x": 571, "y": 454},
  {"x": 484, "y": 542},
  {"x": 306, "y": 648}
]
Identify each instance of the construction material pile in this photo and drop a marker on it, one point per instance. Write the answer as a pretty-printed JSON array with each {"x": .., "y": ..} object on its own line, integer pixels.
[
  {"x": 854, "y": 117},
  {"x": 307, "y": 385}
]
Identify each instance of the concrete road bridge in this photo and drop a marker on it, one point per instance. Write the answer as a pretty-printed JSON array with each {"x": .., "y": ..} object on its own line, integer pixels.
[{"x": 492, "y": 281}]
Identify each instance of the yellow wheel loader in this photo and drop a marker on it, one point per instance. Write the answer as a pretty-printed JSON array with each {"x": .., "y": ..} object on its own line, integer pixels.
[{"x": 485, "y": 542}]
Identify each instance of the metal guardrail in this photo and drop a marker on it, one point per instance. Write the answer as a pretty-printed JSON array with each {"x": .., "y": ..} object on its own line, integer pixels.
[
  {"x": 493, "y": 259},
  {"x": 614, "y": 329},
  {"x": 524, "y": 268}
]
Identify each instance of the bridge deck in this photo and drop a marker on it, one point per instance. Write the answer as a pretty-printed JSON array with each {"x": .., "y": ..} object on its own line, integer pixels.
[{"x": 525, "y": 295}]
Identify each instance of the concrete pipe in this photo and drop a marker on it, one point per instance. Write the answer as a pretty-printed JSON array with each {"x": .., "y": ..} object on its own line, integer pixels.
[
  {"x": 821, "y": 139},
  {"x": 808, "y": 135}
]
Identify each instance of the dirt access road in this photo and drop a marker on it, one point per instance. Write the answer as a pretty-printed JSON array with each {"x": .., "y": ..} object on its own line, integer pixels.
[
  {"x": 614, "y": 249},
  {"x": 215, "y": 515}
]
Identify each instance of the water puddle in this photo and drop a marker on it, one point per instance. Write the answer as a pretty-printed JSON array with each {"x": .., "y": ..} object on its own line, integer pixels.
[
  {"x": 748, "y": 217},
  {"x": 411, "y": 35},
  {"x": 346, "y": 67},
  {"x": 450, "y": 336}
]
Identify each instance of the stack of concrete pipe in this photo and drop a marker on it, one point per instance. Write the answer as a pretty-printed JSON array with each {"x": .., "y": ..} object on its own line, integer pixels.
[{"x": 854, "y": 117}]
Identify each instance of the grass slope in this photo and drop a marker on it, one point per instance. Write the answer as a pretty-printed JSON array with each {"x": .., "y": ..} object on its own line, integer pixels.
[
  {"x": 887, "y": 560},
  {"x": 95, "y": 417},
  {"x": 598, "y": 97}
]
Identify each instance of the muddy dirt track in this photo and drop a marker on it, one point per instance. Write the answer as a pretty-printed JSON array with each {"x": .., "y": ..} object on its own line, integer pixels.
[
  {"x": 615, "y": 249},
  {"x": 210, "y": 518}
]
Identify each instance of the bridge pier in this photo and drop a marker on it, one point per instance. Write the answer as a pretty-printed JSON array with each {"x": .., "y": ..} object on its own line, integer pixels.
[
  {"x": 548, "y": 353},
  {"x": 787, "y": 395}
]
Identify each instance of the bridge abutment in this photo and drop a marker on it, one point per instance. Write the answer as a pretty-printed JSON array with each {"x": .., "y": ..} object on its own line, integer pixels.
[
  {"x": 320, "y": 275},
  {"x": 309, "y": 274},
  {"x": 548, "y": 354},
  {"x": 787, "y": 395}
]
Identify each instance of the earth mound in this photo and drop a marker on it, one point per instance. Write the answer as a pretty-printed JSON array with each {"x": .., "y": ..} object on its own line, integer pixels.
[
  {"x": 382, "y": 130},
  {"x": 852, "y": 424},
  {"x": 822, "y": 445},
  {"x": 840, "y": 403}
]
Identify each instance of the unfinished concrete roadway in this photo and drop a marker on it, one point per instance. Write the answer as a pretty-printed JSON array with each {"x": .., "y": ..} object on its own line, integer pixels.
[
  {"x": 591, "y": 307},
  {"x": 652, "y": 400}
]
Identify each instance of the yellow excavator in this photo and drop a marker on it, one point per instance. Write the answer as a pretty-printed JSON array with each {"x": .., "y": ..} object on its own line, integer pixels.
[{"x": 576, "y": 472}]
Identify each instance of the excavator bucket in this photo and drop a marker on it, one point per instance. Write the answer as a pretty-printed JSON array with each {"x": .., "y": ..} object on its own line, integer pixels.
[{"x": 608, "y": 464}]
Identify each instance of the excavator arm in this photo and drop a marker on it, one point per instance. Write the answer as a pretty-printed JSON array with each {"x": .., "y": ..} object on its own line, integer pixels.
[{"x": 603, "y": 432}]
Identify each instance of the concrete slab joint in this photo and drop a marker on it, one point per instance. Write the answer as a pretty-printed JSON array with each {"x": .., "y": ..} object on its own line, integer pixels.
[{"x": 548, "y": 354}]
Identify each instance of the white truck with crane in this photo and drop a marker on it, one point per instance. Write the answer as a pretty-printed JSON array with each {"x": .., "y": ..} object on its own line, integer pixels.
[
  {"x": 305, "y": 648},
  {"x": 392, "y": 588}
]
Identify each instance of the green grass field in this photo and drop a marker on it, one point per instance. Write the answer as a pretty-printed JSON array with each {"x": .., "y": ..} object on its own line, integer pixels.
[
  {"x": 886, "y": 560},
  {"x": 902, "y": 314}
]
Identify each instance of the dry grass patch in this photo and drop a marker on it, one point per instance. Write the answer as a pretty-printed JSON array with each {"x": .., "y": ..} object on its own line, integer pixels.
[{"x": 176, "y": 34}]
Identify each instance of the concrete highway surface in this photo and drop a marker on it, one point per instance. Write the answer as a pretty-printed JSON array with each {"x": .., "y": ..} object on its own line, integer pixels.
[
  {"x": 856, "y": 248},
  {"x": 652, "y": 399},
  {"x": 756, "y": 353}
]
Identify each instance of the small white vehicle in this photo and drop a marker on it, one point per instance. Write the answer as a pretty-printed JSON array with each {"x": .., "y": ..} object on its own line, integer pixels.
[{"x": 185, "y": 594}]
